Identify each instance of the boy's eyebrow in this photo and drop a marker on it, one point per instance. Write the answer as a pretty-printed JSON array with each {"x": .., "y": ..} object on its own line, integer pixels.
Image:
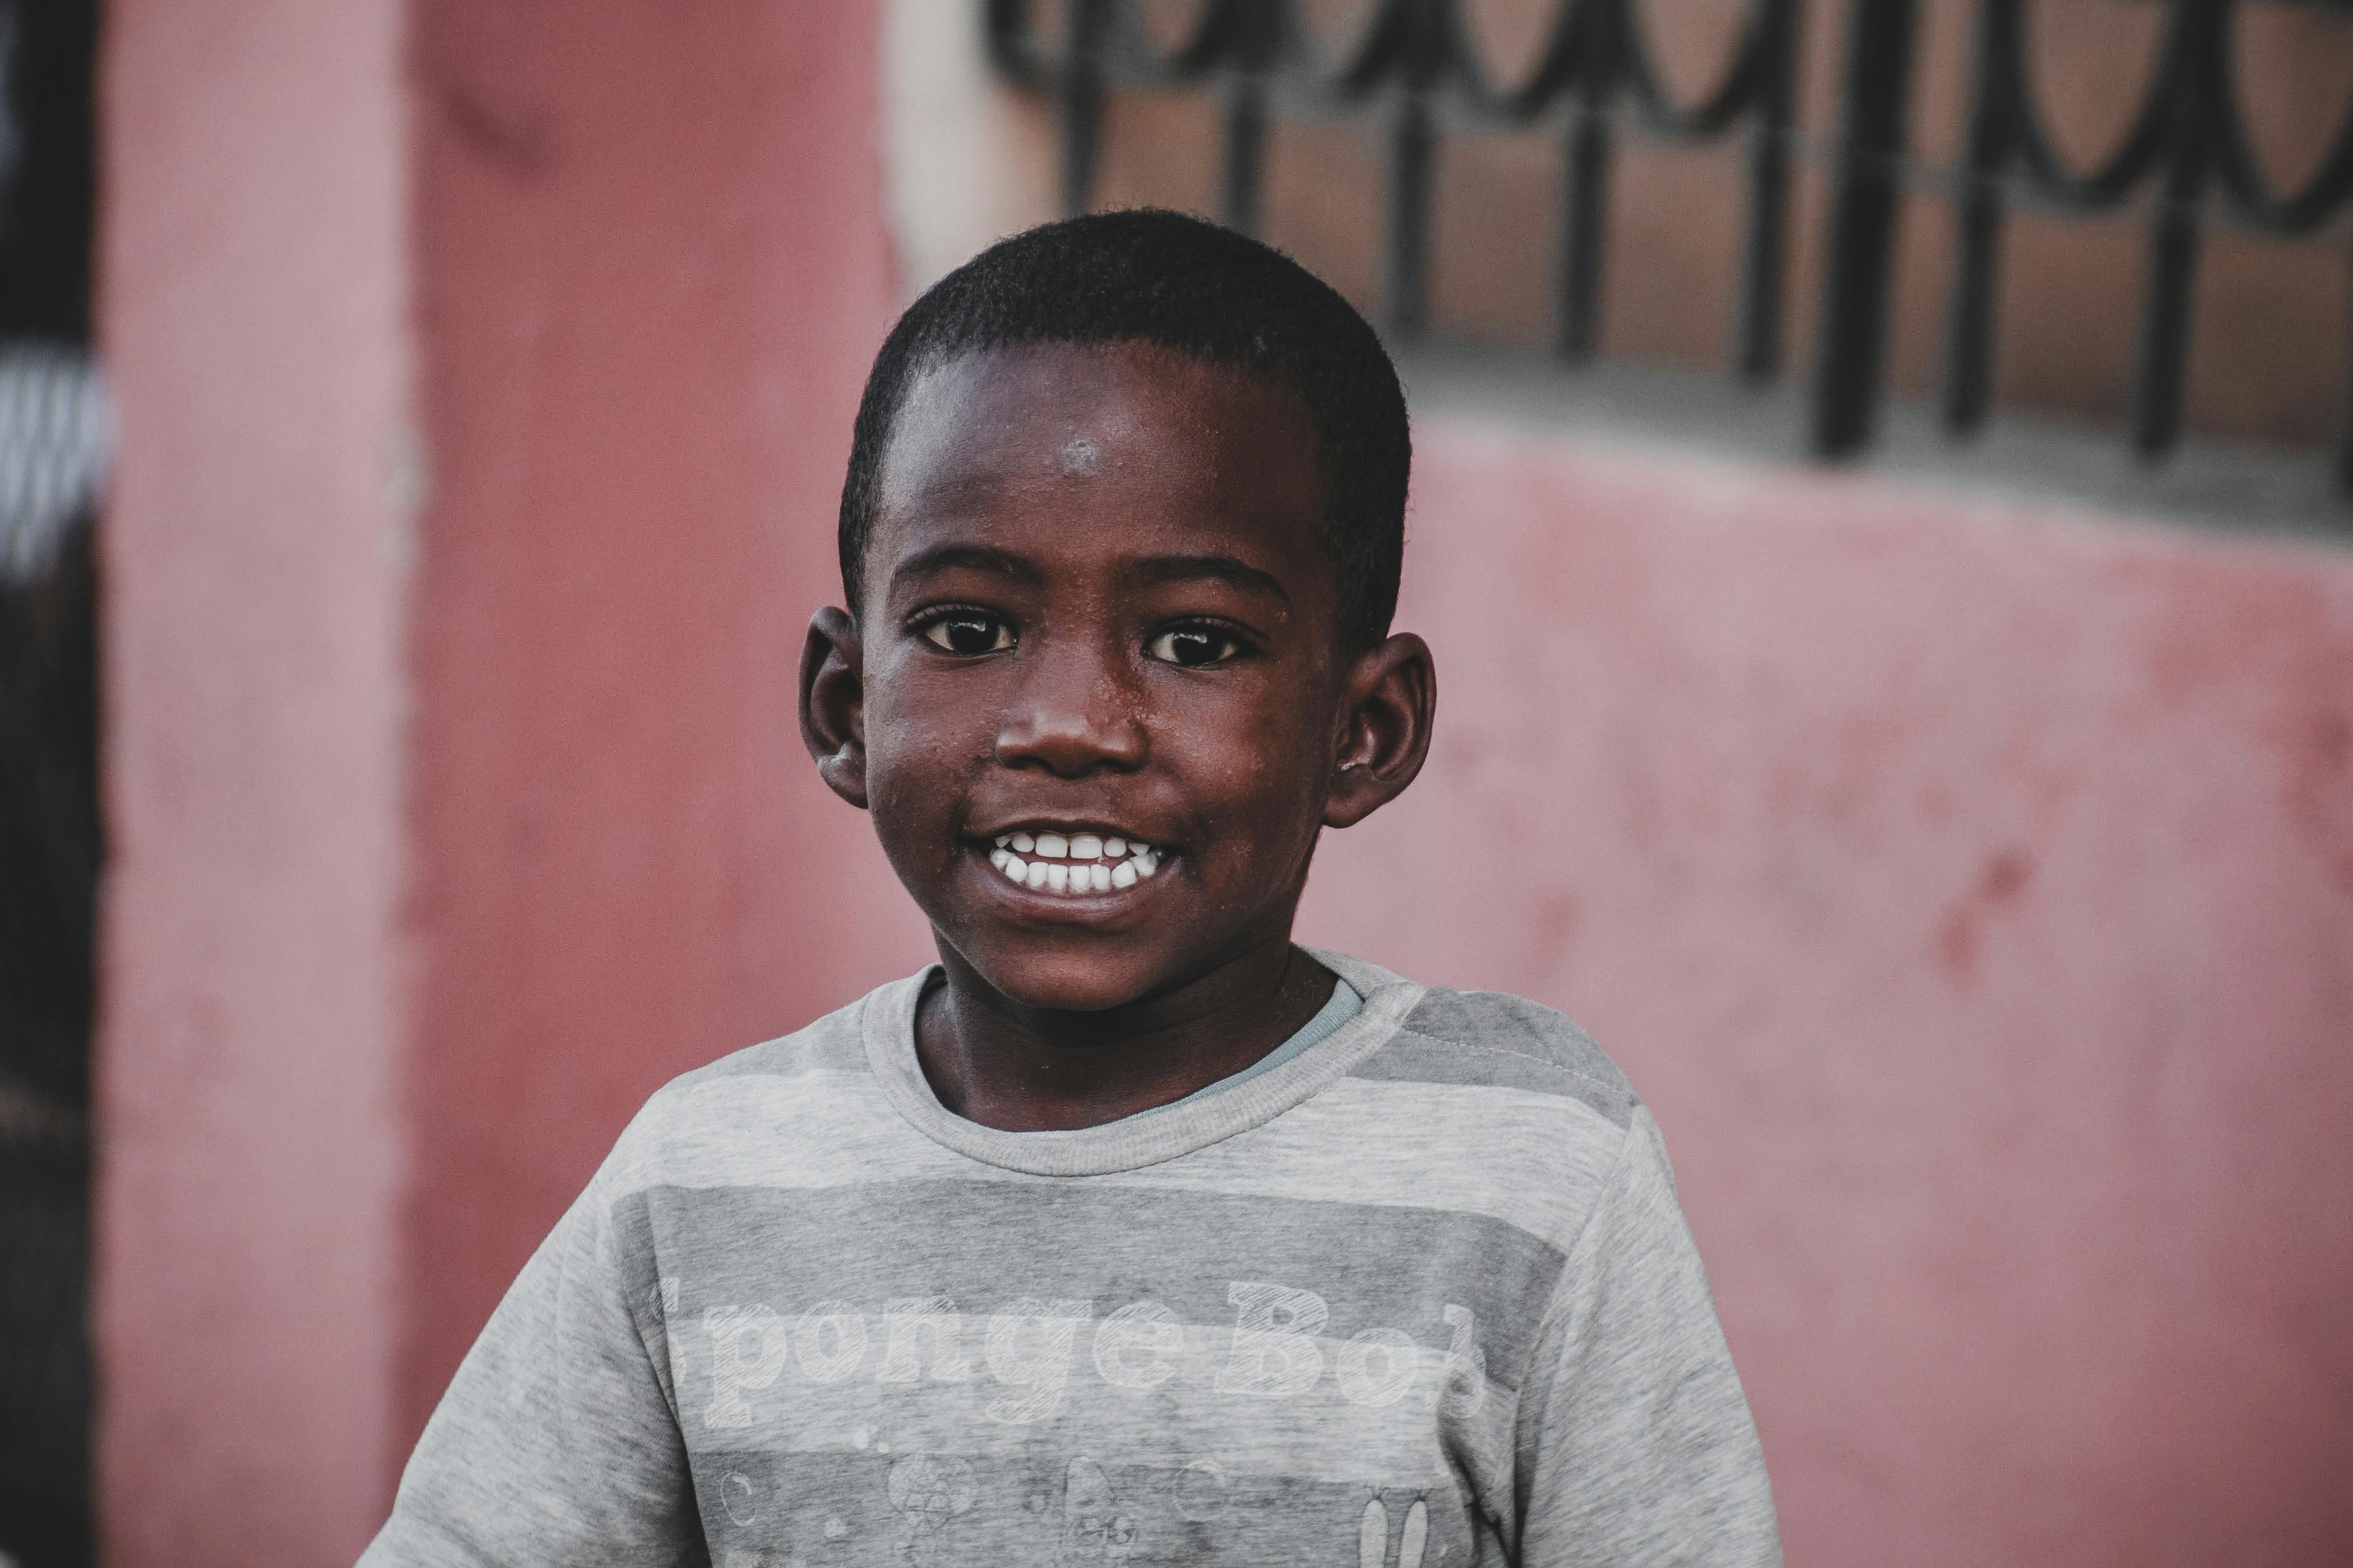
[
  {"x": 978, "y": 557},
  {"x": 1150, "y": 573},
  {"x": 1224, "y": 568}
]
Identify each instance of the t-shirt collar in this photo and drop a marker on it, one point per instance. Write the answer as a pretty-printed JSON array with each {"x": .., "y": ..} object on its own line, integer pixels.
[{"x": 1130, "y": 1142}]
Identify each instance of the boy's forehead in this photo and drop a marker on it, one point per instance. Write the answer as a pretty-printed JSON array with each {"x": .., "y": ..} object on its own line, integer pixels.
[{"x": 1038, "y": 428}]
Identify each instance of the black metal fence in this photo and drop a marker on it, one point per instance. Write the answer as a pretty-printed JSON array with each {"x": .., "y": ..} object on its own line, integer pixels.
[{"x": 2187, "y": 156}]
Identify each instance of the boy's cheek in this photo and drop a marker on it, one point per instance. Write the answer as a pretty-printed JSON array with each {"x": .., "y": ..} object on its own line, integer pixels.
[
  {"x": 911, "y": 824},
  {"x": 910, "y": 727}
]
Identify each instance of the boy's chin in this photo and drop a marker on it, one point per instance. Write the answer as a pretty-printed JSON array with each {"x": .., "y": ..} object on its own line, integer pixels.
[{"x": 1071, "y": 978}]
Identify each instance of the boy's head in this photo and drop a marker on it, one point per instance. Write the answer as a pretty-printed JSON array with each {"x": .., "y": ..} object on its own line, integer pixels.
[
  {"x": 1120, "y": 540},
  {"x": 1200, "y": 292}
]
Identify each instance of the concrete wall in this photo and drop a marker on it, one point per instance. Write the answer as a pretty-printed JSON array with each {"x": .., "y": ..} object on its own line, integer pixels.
[
  {"x": 485, "y": 376},
  {"x": 652, "y": 269},
  {"x": 253, "y": 285},
  {"x": 1969, "y": 886}
]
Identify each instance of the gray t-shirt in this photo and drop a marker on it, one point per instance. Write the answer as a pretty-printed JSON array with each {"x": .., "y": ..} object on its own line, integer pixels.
[{"x": 1419, "y": 1296}]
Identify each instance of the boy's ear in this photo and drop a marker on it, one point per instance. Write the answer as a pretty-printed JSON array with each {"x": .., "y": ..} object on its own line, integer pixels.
[
  {"x": 1391, "y": 699},
  {"x": 833, "y": 703}
]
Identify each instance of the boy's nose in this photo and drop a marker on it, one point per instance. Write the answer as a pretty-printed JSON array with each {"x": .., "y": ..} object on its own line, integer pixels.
[{"x": 1073, "y": 715}]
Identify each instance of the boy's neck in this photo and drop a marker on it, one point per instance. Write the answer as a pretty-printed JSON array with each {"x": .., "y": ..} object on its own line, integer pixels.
[{"x": 1020, "y": 1069}]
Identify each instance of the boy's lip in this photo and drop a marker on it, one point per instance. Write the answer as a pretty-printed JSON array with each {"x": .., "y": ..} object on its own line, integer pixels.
[{"x": 1067, "y": 827}]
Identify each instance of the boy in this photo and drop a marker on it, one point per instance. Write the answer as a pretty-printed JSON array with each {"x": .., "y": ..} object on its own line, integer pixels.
[{"x": 1131, "y": 1231}]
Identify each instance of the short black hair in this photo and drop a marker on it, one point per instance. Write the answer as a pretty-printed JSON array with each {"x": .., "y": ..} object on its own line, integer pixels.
[{"x": 1179, "y": 283}]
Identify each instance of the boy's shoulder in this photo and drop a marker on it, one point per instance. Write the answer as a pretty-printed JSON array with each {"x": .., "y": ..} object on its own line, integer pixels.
[
  {"x": 744, "y": 1099},
  {"x": 1493, "y": 1039},
  {"x": 835, "y": 1043}
]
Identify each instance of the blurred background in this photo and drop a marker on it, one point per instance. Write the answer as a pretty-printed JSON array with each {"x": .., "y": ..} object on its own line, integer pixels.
[{"x": 1880, "y": 508}]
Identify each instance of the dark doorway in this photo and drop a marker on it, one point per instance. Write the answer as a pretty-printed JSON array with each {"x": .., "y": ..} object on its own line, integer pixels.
[{"x": 52, "y": 441}]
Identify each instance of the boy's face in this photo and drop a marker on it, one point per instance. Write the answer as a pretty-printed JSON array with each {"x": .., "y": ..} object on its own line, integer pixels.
[{"x": 1100, "y": 616}]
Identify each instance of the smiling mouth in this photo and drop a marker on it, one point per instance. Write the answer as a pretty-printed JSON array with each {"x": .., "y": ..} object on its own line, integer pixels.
[{"x": 1075, "y": 863}]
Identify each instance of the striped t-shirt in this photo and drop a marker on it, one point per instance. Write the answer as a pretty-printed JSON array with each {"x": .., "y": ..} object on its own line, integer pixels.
[{"x": 1418, "y": 1297}]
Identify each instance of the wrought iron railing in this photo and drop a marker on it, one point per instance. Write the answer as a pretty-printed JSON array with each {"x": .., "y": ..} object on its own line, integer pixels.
[{"x": 2187, "y": 154}]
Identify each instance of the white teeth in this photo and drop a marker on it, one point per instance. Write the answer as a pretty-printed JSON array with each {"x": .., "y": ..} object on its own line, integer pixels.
[{"x": 1074, "y": 863}]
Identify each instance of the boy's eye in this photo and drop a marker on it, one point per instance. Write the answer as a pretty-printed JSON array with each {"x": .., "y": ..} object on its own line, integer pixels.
[
  {"x": 1193, "y": 647},
  {"x": 969, "y": 631}
]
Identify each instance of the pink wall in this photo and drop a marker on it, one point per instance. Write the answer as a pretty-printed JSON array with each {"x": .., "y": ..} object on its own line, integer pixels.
[
  {"x": 653, "y": 272},
  {"x": 252, "y": 287},
  {"x": 1970, "y": 889},
  {"x": 426, "y": 874}
]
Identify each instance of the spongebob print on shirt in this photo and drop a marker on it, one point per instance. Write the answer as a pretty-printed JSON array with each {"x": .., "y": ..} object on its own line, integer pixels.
[{"x": 911, "y": 1431}]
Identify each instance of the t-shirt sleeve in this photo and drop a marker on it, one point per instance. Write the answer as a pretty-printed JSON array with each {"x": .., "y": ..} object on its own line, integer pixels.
[
  {"x": 1635, "y": 1444},
  {"x": 557, "y": 1441}
]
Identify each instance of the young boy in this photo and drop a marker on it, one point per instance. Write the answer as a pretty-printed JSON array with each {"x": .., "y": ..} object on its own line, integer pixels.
[{"x": 1130, "y": 1232}]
